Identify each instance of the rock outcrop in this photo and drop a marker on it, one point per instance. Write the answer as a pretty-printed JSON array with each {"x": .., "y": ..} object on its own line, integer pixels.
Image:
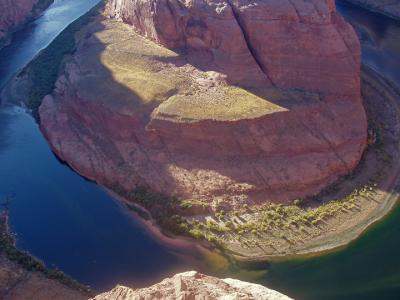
[
  {"x": 390, "y": 8},
  {"x": 193, "y": 285},
  {"x": 17, "y": 283},
  {"x": 13, "y": 13},
  {"x": 240, "y": 101},
  {"x": 23, "y": 277}
]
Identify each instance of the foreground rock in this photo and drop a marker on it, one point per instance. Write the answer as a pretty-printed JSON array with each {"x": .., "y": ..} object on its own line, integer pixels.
[
  {"x": 389, "y": 8},
  {"x": 13, "y": 13},
  {"x": 193, "y": 285},
  {"x": 258, "y": 101},
  {"x": 16, "y": 283}
]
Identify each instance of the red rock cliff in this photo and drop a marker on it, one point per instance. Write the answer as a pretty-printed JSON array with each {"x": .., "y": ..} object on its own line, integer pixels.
[{"x": 258, "y": 101}]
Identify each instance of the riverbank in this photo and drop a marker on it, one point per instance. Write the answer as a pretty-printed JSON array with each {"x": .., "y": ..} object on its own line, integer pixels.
[
  {"x": 391, "y": 10},
  {"x": 20, "y": 20},
  {"x": 24, "y": 277},
  {"x": 31, "y": 84}
]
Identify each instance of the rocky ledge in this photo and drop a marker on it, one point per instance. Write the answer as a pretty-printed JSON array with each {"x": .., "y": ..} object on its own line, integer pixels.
[
  {"x": 14, "y": 13},
  {"x": 193, "y": 285},
  {"x": 390, "y": 8},
  {"x": 219, "y": 101}
]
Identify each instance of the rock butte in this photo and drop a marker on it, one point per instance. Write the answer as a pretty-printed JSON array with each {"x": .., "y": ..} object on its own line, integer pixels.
[
  {"x": 193, "y": 285},
  {"x": 213, "y": 100}
]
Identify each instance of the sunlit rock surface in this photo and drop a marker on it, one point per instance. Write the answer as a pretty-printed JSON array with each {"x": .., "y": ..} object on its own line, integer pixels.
[{"x": 193, "y": 285}]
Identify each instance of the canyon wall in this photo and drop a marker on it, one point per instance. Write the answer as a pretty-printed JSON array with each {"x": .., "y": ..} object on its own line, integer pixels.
[
  {"x": 193, "y": 285},
  {"x": 13, "y": 13},
  {"x": 218, "y": 101}
]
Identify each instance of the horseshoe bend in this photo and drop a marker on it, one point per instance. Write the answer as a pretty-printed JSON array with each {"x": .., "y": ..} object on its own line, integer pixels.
[
  {"x": 210, "y": 100},
  {"x": 224, "y": 120}
]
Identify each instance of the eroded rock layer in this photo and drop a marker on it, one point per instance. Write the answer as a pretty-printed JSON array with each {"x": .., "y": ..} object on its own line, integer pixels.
[
  {"x": 193, "y": 285},
  {"x": 243, "y": 101}
]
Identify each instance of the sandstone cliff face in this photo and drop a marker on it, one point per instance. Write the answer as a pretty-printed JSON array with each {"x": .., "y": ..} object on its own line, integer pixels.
[
  {"x": 128, "y": 112},
  {"x": 13, "y": 13},
  {"x": 193, "y": 285},
  {"x": 389, "y": 8}
]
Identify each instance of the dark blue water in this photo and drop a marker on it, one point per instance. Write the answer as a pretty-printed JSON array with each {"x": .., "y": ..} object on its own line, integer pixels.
[
  {"x": 72, "y": 224},
  {"x": 380, "y": 37}
]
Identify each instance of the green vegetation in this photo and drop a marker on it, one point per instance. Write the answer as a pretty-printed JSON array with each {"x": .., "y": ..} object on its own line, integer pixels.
[
  {"x": 7, "y": 248},
  {"x": 50, "y": 59}
]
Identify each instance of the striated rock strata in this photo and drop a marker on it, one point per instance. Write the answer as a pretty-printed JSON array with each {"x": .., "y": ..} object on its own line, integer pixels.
[
  {"x": 213, "y": 100},
  {"x": 390, "y": 8},
  {"x": 14, "y": 13},
  {"x": 193, "y": 285}
]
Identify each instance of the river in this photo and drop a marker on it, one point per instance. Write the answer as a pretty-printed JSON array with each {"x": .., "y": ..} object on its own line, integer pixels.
[{"x": 72, "y": 224}]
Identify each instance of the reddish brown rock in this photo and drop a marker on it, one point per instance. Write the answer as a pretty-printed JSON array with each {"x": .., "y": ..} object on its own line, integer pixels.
[
  {"x": 127, "y": 112},
  {"x": 193, "y": 285},
  {"x": 16, "y": 283}
]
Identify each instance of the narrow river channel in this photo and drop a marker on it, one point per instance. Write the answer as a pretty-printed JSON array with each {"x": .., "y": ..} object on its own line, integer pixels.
[{"x": 72, "y": 224}]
